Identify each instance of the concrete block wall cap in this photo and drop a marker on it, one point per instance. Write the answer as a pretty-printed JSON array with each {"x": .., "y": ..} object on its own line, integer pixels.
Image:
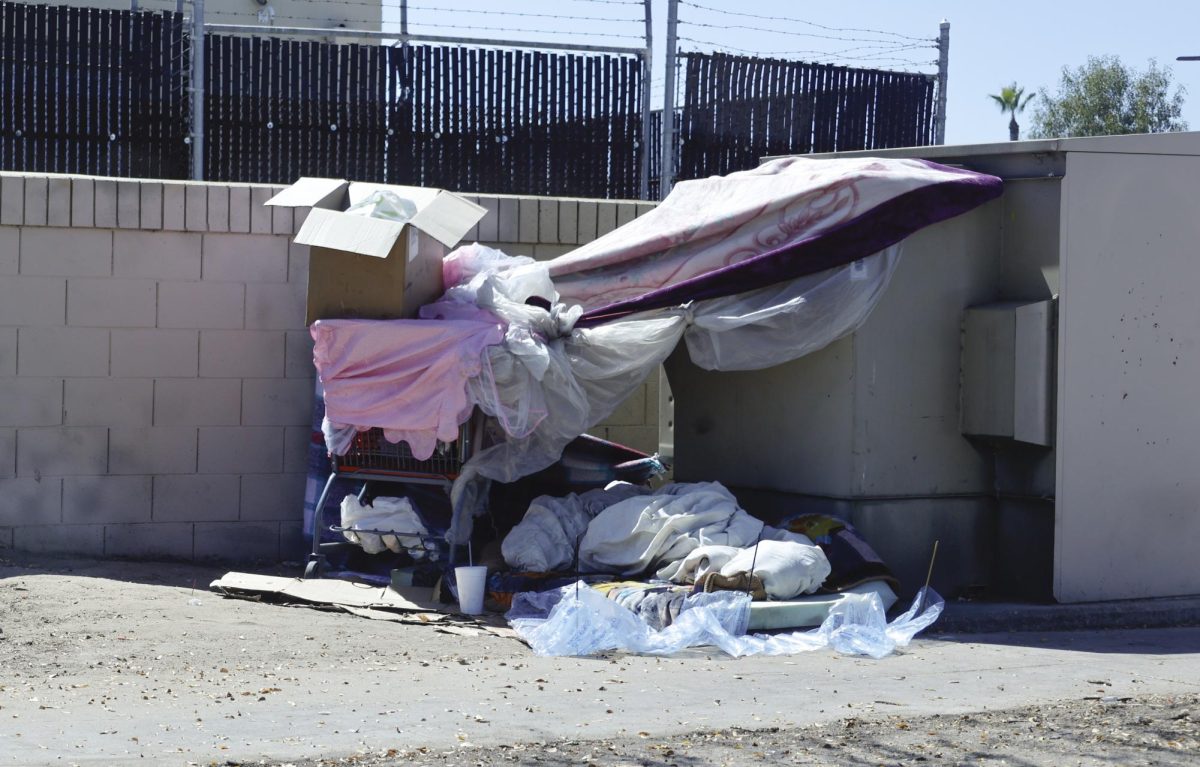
[{"x": 599, "y": 200}]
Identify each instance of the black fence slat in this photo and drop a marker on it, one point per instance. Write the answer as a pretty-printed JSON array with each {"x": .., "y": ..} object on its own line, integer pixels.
[
  {"x": 738, "y": 109},
  {"x": 91, "y": 91},
  {"x": 21, "y": 87},
  {"x": 106, "y": 92},
  {"x": 214, "y": 104},
  {"x": 38, "y": 66},
  {"x": 50, "y": 126}
]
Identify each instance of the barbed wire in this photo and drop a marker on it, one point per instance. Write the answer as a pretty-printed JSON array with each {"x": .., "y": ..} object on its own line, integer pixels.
[
  {"x": 788, "y": 33},
  {"x": 561, "y": 17},
  {"x": 866, "y": 51},
  {"x": 395, "y": 6},
  {"x": 816, "y": 54},
  {"x": 806, "y": 22},
  {"x": 528, "y": 31},
  {"x": 267, "y": 28}
]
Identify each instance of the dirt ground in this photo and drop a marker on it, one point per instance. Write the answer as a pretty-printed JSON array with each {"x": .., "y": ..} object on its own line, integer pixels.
[
  {"x": 109, "y": 663},
  {"x": 1151, "y": 730}
]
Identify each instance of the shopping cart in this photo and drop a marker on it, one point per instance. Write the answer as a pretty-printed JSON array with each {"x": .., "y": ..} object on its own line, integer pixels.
[{"x": 371, "y": 458}]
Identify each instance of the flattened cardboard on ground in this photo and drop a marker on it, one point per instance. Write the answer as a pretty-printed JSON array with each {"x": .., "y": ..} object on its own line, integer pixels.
[
  {"x": 372, "y": 268},
  {"x": 411, "y": 618},
  {"x": 327, "y": 592}
]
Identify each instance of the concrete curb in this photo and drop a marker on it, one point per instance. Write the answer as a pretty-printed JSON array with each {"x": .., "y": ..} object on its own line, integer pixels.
[{"x": 983, "y": 617}]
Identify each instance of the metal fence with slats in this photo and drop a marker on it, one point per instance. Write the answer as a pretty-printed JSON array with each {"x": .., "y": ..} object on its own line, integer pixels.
[
  {"x": 105, "y": 92},
  {"x": 738, "y": 109},
  {"x": 517, "y": 122},
  {"x": 279, "y": 109},
  {"x": 456, "y": 117},
  {"x": 93, "y": 91}
]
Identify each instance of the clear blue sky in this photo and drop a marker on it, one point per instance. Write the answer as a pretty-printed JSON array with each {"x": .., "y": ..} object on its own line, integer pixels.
[{"x": 992, "y": 43}]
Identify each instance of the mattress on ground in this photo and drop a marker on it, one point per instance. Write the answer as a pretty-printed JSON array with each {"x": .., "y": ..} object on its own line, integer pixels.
[{"x": 811, "y": 611}]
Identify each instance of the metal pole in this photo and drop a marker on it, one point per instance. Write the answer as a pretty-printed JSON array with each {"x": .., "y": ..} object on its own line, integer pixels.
[
  {"x": 179, "y": 6},
  {"x": 667, "y": 171},
  {"x": 198, "y": 90},
  {"x": 404, "y": 17},
  {"x": 647, "y": 75},
  {"x": 939, "y": 130}
]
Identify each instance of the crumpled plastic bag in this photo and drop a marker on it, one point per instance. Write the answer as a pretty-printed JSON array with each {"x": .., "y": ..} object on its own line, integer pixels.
[
  {"x": 386, "y": 205},
  {"x": 385, "y": 513},
  {"x": 464, "y": 264},
  {"x": 578, "y": 620}
]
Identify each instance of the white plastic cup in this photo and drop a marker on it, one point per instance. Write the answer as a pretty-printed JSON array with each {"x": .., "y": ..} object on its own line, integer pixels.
[{"x": 472, "y": 582}]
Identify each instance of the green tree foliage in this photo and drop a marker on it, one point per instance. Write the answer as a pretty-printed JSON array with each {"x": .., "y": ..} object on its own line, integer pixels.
[
  {"x": 1104, "y": 97},
  {"x": 1012, "y": 101}
]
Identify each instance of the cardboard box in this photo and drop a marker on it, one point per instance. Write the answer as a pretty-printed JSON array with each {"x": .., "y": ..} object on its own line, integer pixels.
[{"x": 374, "y": 268}]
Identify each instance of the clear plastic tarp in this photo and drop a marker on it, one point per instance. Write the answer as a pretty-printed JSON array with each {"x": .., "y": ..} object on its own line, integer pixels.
[{"x": 578, "y": 620}]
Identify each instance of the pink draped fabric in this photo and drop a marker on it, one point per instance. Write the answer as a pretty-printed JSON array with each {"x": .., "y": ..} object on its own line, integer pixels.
[
  {"x": 408, "y": 377},
  {"x": 707, "y": 226}
]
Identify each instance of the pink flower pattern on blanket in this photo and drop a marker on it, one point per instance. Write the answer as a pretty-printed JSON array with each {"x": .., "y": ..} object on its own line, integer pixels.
[{"x": 710, "y": 224}]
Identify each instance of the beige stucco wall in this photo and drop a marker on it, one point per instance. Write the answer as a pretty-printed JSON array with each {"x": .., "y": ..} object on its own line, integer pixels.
[
  {"x": 288, "y": 13},
  {"x": 1128, "y": 491},
  {"x": 155, "y": 371}
]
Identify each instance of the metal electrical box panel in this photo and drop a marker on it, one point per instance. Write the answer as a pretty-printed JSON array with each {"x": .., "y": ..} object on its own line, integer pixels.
[{"x": 1008, "y": 371}]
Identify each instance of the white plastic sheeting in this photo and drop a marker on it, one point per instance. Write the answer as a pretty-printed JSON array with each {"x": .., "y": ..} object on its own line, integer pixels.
[
  {"x": 550, "y": 381},
  {"x": 783, "y": 322},
  {"x": 578, "y": 620}
]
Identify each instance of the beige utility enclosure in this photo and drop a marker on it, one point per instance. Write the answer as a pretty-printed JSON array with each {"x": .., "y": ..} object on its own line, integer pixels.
[{"x": 1025, "y": 391}]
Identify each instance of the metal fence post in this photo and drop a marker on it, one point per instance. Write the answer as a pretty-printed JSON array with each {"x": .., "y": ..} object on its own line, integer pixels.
[
  {"x": 197, "y": 90},
  {"x": 939, "y": 130},
  {"x": 667, "y": 170},
  {"x": 647, "y": 76}
]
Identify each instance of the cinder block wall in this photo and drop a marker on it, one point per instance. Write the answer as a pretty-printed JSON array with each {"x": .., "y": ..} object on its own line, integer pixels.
[{"x": 155, "y": 372}]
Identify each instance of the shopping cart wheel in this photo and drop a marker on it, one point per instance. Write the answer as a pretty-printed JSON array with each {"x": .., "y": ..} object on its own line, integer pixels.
[{"x": 313, "y": 568}]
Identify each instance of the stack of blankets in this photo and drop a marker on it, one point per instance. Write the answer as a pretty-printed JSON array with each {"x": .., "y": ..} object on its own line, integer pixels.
[{"x": 682, "y": 533}]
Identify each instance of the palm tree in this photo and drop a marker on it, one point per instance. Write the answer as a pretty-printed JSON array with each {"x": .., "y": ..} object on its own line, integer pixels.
[{"x": 1012, "y": 100}]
